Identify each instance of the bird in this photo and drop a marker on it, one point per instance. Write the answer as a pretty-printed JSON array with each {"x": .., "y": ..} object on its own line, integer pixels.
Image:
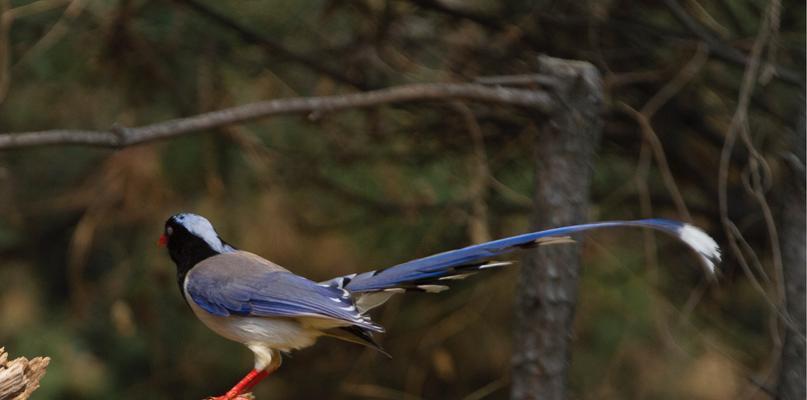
[{"x": 271, "y": 310}]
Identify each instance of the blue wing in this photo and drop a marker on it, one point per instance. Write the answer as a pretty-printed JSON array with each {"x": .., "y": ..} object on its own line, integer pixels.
[
  {"x": 225, "y": 285},
  {"x": 421, "y": 273}
]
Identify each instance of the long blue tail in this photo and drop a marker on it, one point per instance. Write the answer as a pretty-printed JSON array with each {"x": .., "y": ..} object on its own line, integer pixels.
[{"x": 430, "y": 273}]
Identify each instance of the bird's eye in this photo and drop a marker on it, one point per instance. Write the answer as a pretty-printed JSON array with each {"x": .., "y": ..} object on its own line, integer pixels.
[{"x": 169, "y": 230}]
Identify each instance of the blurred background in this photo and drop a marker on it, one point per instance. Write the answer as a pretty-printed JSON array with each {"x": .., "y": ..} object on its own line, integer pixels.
[{"x": 82, "y": 280}]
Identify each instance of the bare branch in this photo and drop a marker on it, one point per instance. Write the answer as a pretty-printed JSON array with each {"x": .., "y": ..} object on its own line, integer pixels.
[
  {"x": 479, "y": 185},
  {"x": 517, "y": 80},
  {"x": 438, "y": 6},
  {"x": 725, "y": 51},
  {"x": 5, "y": 53},
  {"x": 792, "y": 370},
  {"x": 121, "y": 136},
  {"x": 272, "y": 47}
]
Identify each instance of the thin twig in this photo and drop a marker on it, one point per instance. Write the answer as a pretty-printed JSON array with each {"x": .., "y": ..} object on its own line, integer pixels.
[
  {"x": 33, "y": 8},
  {"x": 652, "y": 139},
  {"x": 57, "y": 31},
  {"x": 645, "y": 115},
  {"x": 725, "y": 51},
  {"x": 6, "y": 19},
  {"x": 272, "y": 47},
  {"x": 478, "y": 228},
  {"x": 738, "y": 122},
  {"x": 517, "y": 80},
  {"x": 458, "y": 13},
  {"x": 684, "y": 76}
]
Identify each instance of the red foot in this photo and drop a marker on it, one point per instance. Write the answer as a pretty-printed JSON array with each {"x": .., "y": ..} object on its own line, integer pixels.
[
  {"x": 243, "y": 396},
  {"x": 239, "y": 391}
]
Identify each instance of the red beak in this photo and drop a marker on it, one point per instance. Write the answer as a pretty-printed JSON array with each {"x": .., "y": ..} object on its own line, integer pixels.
[{"x": 162, "y": 241}]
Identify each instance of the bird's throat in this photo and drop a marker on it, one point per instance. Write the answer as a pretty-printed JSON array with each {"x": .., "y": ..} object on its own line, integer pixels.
[{"x": 187, "y": 256}]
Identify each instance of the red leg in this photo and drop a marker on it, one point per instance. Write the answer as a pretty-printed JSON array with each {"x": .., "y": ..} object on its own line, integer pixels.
[{"x": 245, "y": 385}]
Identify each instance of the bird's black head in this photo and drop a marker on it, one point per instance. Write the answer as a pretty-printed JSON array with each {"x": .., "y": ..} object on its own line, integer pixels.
[{"x": 190, "y": 238}]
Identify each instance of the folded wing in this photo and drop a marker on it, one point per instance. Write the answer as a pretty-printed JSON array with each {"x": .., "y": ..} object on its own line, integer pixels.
[{"x": 230, "y": 284}]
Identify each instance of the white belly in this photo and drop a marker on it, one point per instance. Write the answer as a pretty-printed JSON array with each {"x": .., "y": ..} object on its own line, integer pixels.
[{"x": 282, "y": 334}]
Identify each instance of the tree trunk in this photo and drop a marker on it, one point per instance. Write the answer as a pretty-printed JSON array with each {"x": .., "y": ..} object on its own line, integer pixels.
[
  {"x": 792, "y": 226},
  {"x": 547, "y": 292}
]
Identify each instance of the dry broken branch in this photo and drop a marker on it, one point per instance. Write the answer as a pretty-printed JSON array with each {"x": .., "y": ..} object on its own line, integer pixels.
[
  {"x": 122, "y": 136},
  {"x": 20, "y": 377}
]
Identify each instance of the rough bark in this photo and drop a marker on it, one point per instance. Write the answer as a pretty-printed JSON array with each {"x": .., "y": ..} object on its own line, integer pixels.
[
  {"x": 792, "y": 375},
  {"x": 547, "y": 292},
  {"x": 20, "y": 377}
]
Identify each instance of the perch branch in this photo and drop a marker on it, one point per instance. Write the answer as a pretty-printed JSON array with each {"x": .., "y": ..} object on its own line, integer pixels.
[
  {"x": 119, "y": 136},
  {"x": 20, "y": 377}
]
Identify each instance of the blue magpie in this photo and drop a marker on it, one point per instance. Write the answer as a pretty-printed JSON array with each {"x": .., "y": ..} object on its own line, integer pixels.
[{"x": 251, "y": 300}]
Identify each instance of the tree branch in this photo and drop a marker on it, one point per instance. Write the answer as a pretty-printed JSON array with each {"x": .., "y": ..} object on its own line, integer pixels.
[
  {"x": 20, "y": 376},
  {"x": 479, "y": 18},
  {"x": 723, "y": 50},
  {"x": 716, "y": 46},
  {"x": 253, "y": 37},
  {"x": 119, "y": 136}
]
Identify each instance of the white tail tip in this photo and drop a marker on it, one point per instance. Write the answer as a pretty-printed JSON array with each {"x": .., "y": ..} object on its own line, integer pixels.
[{"x": 698, "y": 240}]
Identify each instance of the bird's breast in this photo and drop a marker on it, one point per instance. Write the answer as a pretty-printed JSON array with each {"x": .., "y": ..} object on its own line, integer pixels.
[{"x": 283, "y": 334}]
